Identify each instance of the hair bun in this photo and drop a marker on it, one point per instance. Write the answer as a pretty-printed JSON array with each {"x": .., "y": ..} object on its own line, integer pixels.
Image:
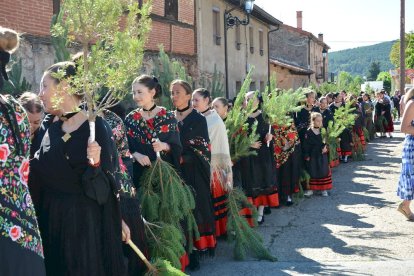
[{"x": 155, "y": 79}]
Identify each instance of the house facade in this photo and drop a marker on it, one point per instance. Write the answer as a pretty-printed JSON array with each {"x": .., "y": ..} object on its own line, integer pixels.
[
  {"x": 246, "y": 44},
  {"x": 297, "y": 56}
]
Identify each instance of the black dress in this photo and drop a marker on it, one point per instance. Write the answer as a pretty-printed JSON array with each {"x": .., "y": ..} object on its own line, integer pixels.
[
  {"x": 302, "y": 120},
  {"x": 258, "y": 172},
  {"x": 130, "y": 207},
  {"x": 316, "y": 162},
  {"x": 196, "y": 173},
  {"x": 333, "y": 108},
  {"x": 380, "y": 124},
  {"x": 327, "y": 116},
  {"x": 79, "y": 216},
  {"x": 141, "y": 133},
  {"x": 21, "y": 250}
]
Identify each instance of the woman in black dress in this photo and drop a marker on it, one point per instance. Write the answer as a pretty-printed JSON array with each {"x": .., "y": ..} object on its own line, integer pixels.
[
  {"x": 195, "y": 166},
  {"x": 338, "y": 102},
  {"x": 79, "y": 215},
  {"x": 258, "y": 172},
  {"x": 303, "y": 116},
  {"x": 383, "y": 118},
  {"x": 325, "y": 112},
  {"x": 315, "y": 153}
]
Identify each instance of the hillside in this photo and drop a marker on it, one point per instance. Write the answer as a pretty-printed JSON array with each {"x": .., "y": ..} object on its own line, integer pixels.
[{"x": 357, "y": 60}]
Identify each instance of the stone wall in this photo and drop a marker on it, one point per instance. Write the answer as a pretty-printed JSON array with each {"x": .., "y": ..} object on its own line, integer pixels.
[{"x": 289, "y": 46}]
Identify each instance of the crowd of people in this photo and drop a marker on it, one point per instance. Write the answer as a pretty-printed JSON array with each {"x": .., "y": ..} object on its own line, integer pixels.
[{"x": 71, "y": 213}]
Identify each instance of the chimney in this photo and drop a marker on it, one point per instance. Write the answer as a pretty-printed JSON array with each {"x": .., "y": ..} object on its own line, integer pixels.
[
  {"x": 299, "y": 20},
  {"x": 320, "y": 37}
]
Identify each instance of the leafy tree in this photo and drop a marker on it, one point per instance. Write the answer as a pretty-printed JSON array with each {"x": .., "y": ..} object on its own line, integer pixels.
[
  {"x": 386, "y": 78},
  {"x": 373, "y": 71},
  {"x": 344, "y": 80},
  {"x": 409, "y": 52},
  {"x": 17, "y": 83}
]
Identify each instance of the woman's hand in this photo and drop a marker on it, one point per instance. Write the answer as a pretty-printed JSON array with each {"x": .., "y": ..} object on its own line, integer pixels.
[
  {"x": 229, "y": 182},
  {"x": 160, "y": 146},
  {"x": 256, "y": 145},
  {"x": 268, "y": 137},
  {"x": 383, "y": 112},
  {"x": 143, "y": 160},
  {"x": 93, "y": 153},
  {"x": 325, "y": 149},
  {"x": 126, "y": 233}
]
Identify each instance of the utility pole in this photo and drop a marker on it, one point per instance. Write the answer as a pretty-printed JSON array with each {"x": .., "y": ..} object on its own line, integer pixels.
[{"x": 402, "y": 47}]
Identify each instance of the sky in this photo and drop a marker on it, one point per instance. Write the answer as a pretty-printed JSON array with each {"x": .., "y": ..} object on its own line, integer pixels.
[{"x": 345, "y": 23}]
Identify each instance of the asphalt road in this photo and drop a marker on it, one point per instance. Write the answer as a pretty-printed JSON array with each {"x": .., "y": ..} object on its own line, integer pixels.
[{"x": 354, "y": 231}]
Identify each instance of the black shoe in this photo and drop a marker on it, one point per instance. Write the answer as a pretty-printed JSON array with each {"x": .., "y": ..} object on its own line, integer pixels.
[
  {"x": 194, "y": 261},
  {"x": 267, "y": 210},
  {"x": 260, "y": 222}
]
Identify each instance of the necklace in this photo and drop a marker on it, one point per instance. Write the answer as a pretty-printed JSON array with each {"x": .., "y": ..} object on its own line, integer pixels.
[
  {"x": 181, "y": 111},
  {"x": 151, "y": 109},
  {"x": 67, "y": 116},
  {"x": 205, "y": 111}
]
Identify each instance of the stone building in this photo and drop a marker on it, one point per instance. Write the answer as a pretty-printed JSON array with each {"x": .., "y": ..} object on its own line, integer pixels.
[
  {"x": 246, "y": 45},
  {"x": 296, "y": 56}
]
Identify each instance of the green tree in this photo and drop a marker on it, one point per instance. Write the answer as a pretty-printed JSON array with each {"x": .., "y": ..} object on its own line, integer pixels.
[
  {"x": 386, "y": 78},
  {"x": 344, "y": 80},
  {"x": 409, "y": 52},
  {"x": 373, "y": 71}
]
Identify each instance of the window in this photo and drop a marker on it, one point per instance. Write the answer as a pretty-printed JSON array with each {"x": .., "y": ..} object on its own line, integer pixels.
[
  {"x": 238, "y": 42},
  {"x": 253, "y": 86},
  {"x": 56, "y": 6},
  {"x": 261, "y": 49},
  {"x": 251, "y": 39},
  {"x": 171, "y": 9},
  {"x": 238, "y": 86},
  {"x": 216, "y": 27}
]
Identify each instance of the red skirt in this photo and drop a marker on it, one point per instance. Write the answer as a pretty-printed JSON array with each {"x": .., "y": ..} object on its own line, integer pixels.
[
  {"x": 321, "y": 184},
  {"x": 219, "y": 196},
  {"x": 185, "y": 261},
  {"x": 271, "y": 200},
  {"x": 390, "y": 126},
  {"x": 206, "y": 241},
  {"x": 248, "y": 215}
]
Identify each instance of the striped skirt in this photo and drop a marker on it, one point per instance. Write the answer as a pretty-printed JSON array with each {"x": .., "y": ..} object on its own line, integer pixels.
[{"x": 406, "y": 183}]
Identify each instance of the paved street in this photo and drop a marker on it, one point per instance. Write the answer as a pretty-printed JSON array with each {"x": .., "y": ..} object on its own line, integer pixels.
[{"x": 355, "y": 231}]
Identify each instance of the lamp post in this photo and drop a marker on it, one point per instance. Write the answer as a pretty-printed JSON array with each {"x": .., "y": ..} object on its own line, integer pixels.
[
  {"x": 229, "y": 22},
  {"x": 324, "y": 53}
]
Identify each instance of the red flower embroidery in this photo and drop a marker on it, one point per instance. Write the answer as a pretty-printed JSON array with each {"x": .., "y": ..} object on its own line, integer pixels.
[
  {"x": 150, "y": 123},
  {"x": 142, "y": 141},
  {"x": 164, "y": 128},
  {"x": 149, "y": 136},
  {"x": 13, "y": 214},
  {"x": 15, "y": 232},
  {"x": 162, "y": 112},
  {"x": 278, "y": 150},
  {"x": 4, "y": 152},
  {"x": 130, "y": 133},
  {"x": 19, "y": 118},
  {"x": 137, "y": 116},
  {"x": 24, "y": 171},
  {"x": 122, "y": 166},
  {"x": 291, "y": 135}
]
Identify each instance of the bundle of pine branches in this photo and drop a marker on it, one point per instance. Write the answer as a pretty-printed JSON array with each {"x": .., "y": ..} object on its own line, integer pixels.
[
  {"x": 168, "y": 202},
  {"x": 278, "y": 104},
  {"x": 330, "y": 137},
  {"x": 246, "y": 239},
  {"x": 358, "y": 149},
  {"x": 380, "y": 124},
  {"x": 240, "y": 136}
]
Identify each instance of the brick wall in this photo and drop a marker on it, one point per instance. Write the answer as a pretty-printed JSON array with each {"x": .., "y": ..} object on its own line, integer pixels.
[
  {"x": 160, "y": 34},
  {"x": 27, "y": 16},
  {"x": 182, "y": 40},
  {"x": 186, "y": 11}
]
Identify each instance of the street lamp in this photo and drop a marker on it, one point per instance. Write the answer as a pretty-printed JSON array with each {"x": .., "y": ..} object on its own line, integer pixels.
[
  {"x": 324, "y": 53},
  {"x": 231, "y": 21}
]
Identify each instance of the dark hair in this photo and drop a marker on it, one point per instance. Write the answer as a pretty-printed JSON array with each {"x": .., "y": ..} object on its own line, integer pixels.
[
  {"x": 183, "y": 84},
  {"x": 336, "y": 95},
  {"x": 203, "y": 93},
  {"x": 68, "y": 67},
  {"x": 329, "y": 95},
  {"x": 322, "y": 98},
  {"x": 224, "y": 101},
  {"x": 150, "y": 83},
  {"x": 31, "y": 102}
]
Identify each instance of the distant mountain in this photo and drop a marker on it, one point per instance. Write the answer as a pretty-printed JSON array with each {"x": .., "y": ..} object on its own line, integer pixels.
[{"x": 357, "y": 60}]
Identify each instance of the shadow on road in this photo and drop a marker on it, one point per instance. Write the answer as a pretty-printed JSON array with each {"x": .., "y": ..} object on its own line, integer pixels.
[{"x": 297, "y": 234}]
